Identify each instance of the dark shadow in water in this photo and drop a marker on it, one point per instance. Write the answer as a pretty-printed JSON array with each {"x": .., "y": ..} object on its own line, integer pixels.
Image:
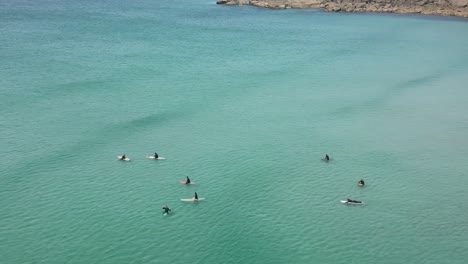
[
  {"x": 395, "y": 91},
  {"x": 101, "y": 138}
]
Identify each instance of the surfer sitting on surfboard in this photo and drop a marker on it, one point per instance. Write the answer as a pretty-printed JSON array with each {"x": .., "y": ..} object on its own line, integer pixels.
[
  {"x": 352, "y": 201},
  {"x": 166, "y": 209},
  {"x": 196, "y": 196},
  {"x": 188, "y": 180},
  {"x": 123, "y": 157},
  {"x": 327, "y": 158},
  {"x": 156, "y": 155},
  {"x": 361, "y": 182}
]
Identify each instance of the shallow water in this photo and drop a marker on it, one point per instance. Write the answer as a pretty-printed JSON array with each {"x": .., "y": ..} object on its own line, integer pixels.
[{"x": 245, "y": 101}]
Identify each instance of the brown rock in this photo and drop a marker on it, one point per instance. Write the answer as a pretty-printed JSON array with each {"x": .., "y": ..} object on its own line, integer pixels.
[
  {"x": 435, "y": 7},
  {"x": 459, "y": 3}
]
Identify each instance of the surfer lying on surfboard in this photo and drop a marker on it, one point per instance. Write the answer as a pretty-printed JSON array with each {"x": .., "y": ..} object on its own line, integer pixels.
[
  {"x": 352, "y": 201},
  {"x": 166, "y": 209}
]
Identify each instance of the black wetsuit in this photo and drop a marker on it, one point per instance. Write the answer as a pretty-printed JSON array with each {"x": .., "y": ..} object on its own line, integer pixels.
[
  {"x": 361, "y": 182},
  {"x": 196, "y": 196},
  {"x": 156, "y": 155},
  {"x": 187, "y": 181},
  {"x": 166, "y": 209},
  {"x": 353, "y": 201},
  {"x": 123, "y": 157},
  {"x": 327, "y": 158}
]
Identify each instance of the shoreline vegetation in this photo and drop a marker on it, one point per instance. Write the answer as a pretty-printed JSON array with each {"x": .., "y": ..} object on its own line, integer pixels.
[{"x": 457, "y": 8}]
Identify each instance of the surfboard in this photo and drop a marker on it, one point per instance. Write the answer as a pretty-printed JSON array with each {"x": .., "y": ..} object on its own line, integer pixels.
[
  {"x": 359, "y": 184},
  {"x": 152, "y": 157},
  {"x": 346, "y": 202},
  {"x": 184, "y": 182},
  {"x": 192, "y": 200},
  {"x": 120, "y": 158},
  {"x": 165, "y": 214}
]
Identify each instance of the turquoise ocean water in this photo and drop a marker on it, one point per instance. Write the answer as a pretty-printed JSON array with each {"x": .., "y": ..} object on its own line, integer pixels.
[{"x": 246, "y": 101}]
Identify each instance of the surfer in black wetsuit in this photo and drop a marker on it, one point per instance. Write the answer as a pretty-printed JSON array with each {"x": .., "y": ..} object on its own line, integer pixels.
[
  {"x": 196, "y": 196},
  {"x": 353, "y": 201},
  {"x": 188, "y": 180},
  {"x": 327, "y": 158},
  {"x": 123, "y": 157},
  {"x": 156, "y": 155},
  {"x": 166, "y": 209},
  {"x": 361, "y": 182}
]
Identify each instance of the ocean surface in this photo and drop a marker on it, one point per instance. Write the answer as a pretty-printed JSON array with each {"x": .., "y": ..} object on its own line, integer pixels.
[{"x": 246, "y": 102}]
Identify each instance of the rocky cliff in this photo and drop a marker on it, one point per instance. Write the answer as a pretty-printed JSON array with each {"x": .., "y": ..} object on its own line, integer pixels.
[{"x": 430, "y": 7}]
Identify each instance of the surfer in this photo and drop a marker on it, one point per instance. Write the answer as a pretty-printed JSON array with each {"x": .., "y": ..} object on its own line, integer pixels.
[
  {"x": 166, "y": 209},
  {"x": 352, "y": 201},
  {"x": 156, "y": 155},
  {"x": 188, "y": 180},
  {"x": 196, "y": 196},
  {"x": 361, "y": 182},
  {"x": 327, "y": 158},
  {"x": 123, "y": 157}
]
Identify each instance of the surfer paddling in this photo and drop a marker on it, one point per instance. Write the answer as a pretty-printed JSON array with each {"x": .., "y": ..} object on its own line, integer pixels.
[{"x": 352, "y": 201}]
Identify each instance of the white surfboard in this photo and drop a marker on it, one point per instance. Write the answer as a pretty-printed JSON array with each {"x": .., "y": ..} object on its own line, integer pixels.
[
  {"x": 192, "y": 200},
  {"x": 346, "y": 202},
  {"x": 120, "y": 158},
  {"x": 152, "y": 157},
  {"x": 185, "y": 182}
]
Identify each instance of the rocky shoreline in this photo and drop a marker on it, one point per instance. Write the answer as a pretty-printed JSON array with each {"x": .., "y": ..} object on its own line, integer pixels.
[{"x": 428, "y": 7}]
